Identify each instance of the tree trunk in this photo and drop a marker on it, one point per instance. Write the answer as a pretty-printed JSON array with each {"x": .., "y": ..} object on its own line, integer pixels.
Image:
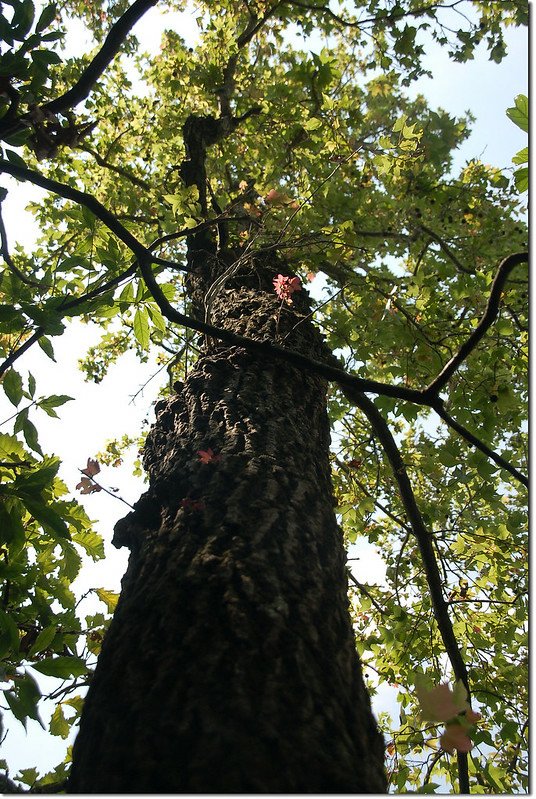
[{"x": 230, "y": 664}]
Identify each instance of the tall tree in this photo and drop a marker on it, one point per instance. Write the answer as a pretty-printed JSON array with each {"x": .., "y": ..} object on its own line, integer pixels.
[{"x": 251, "y": 165}]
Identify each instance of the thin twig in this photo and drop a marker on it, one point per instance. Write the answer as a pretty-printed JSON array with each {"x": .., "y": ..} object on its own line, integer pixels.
[
  {"x": 446, "y": 249},
  {"x": 364, "y": 590}
]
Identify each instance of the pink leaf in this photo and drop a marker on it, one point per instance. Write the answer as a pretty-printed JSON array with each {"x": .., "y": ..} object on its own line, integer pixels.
[
  {"x": 471, "y": 717},
  {"x": 207, "y": 456},
  {"x": 455, "y": 738},
  {"x": 285, "y": 286},
  {"x": 276, "y": 197},
  {"x": 440, "y": 703},
  {"x": 294, "y": 284}
]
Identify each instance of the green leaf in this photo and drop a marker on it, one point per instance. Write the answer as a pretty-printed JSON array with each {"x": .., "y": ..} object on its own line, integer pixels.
[
  {"x": 385, "y": 142},
  {"x": 29, "y": 432},
  {"x": 59, "y": 724},
  {"x": 48, "y": 404},
  {"x": 11, "y": 449},
  {"x": 519, "y": 113},
  {"x": 43, "y": 640},
  {"x": 8, "y": 313},
  {"x": 28, "y": 776},
  {"x": 22, "y": 417},
  {"x": 48, "y": 15},
  {"x": 46, "y": 346},
  {"x": 15, "y": 158},
  {"x": 36, "y": 479},
  {"x": 408, "y": 132},
  {"x": 141, "y": 328},
  {"x": 12, "y": 384},
  {"x": 45, "y": 515},
  {"x": 156, "y": 318},
  {"x": 312, "y": 124},
  {"x": 11, "y": 529},
  {"x": 48, "y": 318},
  {"x": 110, "y": 598},
  {"x": 62, "y": 666},
  {"x": 9, "y": 634},
  {"x": 91, "y": 542},
  {"x": 16, "y": 707},
  {"x": 522, "y": 157},
  {"x": 127, "y": 293},
  {"x": 22, "y": 19},
  {"x": 400, "y": 123},
  {"x": 521, "y": 177},
  {"x": 23, "y": 699}
]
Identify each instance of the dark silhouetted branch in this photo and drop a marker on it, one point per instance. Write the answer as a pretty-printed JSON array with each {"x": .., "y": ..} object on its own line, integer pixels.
[
  {"x": 4, "y": 249},
  {"x": 446, "y": 249},
  {"x": 490, "y": 314},
  {"x": 431, "y": 568},
  {"x": 92, "y": 204},
  {"x": 110, "y": 48}
]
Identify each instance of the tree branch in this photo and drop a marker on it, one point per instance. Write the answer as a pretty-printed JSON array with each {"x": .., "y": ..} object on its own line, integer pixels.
[
  {"x": 350, "y": 384},
  {"x": 143, "y": 184},
  {"x": 423, "y": 536},
  {"x": 11, "y": 124},
  {"x": 268, "y": 350},
  {"x": 364, "y": 590},
  {"x": 112, "y": 44},
  {"x": 66, "y": 306},
  {"x": 490, "y": 314},
  {"x": 424, "y": 541},
  {"x": 476, "y": 442},
  {"x": 92, "y": 204},
  {"x": 4, "y": 249},
  {"x": 446, "y": 249}
]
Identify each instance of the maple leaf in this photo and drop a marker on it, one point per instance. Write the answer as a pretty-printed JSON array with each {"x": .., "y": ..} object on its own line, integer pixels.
[
  {"x": 86, "y": 486},
  {"x": 455, "y": 739},
  {"x": 441, "y": 703},
  {"x": 285, "y": 286},
  {"x": 207, "y": 456},
  {"x": 92, "y": 468},
  {"x": 471, "y": 717},
  {"x": 294, "y": 284}
]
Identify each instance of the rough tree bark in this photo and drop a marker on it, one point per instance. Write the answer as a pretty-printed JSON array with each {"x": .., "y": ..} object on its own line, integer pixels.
[{"x": 230, "y": 664}]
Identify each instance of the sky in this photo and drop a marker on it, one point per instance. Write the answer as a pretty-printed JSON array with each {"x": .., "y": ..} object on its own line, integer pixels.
[{"x": 100, "y": 412}]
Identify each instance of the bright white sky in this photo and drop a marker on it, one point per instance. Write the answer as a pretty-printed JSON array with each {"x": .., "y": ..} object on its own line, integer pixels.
[{"x": 101, "y": 412}]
